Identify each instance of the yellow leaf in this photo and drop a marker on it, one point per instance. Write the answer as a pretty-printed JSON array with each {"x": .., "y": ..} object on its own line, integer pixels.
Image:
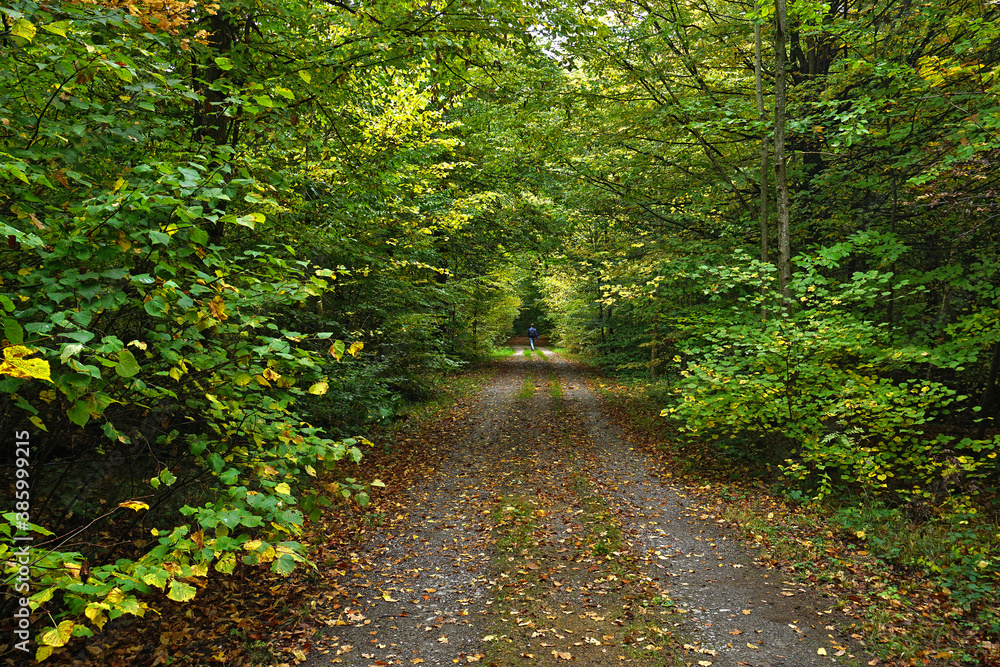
[
  {"x": 15, "y": 364},
  {"x": 42, "y": 653},
  {"x": 821, "y": 651},
  {"x": 134, "y": 505},
  {"x": 25, "y": 29},
  {"x": 562, "y": 656},
  {"x": 96, "y": 615},
  {"x": 180, "y": 592},
  {"x": 57, "y": 636},
  {"x": 319, "y": 388},
  {"x": 355, "y": 348},
  {"x": 283, "y": 488},
  {"x": 218, "y": 308}
]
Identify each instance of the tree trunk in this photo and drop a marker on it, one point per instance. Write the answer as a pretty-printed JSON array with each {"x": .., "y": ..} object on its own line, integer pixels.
[
  {"x": 213, "y": 124},
  {"x": 765, "y": 144},
  {"x": 986, "y": 403},
  {"x": 653, "y": 360},
  {"x": 780, "y": 176}
]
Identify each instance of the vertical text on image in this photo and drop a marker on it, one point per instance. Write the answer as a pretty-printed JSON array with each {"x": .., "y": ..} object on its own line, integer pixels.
[{"x": 22, "y": 539}]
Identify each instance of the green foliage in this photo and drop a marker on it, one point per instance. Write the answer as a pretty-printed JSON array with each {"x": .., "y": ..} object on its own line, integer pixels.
[
  {"x": 956, "y": 546},
  {"x": 224, "y": 274},
  {"x": 819, "y": 386}
]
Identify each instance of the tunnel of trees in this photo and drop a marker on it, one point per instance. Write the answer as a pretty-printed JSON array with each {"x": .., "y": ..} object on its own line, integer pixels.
[{"x": 237, "y": 234}]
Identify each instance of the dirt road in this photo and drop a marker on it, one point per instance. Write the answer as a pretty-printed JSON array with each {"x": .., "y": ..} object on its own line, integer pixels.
[{"x": 542, "y": 539}]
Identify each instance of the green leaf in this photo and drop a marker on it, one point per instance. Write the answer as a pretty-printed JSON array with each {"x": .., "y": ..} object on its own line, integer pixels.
[
  {"x": 198, "y": 235},
  {"x": 58, "y": 28},
  {"x": 226, "y": 564},
  {"x": 157, "y": 578},
  {"x": 305, "y": 76},
  {"x": 159, "y": 237},
  {"x": 127, "y": 364},
  {"x": 13, "y": 331},
  {"x": 155, "y": 306},
  {"x": 283, "y": 565},
  {"x": 224, "y": 63},
  {"x": 181, "y": 592},
  {"x": 70, "y": 350},
  {"x": 79, "y": 414}
]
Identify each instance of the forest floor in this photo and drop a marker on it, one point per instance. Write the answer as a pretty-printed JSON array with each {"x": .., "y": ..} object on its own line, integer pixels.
[{"x": 543, "y": 536}]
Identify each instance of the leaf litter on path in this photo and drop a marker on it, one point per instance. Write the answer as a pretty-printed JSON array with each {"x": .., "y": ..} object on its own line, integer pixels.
[{"x": 541, "y": 537}]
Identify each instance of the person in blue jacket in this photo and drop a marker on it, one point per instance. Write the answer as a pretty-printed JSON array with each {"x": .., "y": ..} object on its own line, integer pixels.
[{"x": 532, "y": 335}]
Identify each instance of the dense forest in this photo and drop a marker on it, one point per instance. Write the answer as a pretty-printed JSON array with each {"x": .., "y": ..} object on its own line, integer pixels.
[{"x": 238, "y": 234}]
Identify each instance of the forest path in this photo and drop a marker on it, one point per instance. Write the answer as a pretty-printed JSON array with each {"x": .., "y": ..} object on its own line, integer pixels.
[{"x": 543, "y": 538}]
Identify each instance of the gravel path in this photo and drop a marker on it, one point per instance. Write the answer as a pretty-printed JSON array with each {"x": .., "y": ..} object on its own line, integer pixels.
[{"x": 500, "y": 557}]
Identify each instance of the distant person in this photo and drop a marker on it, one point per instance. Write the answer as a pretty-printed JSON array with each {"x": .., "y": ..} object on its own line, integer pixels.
[{"x": 532, "y": 335}]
